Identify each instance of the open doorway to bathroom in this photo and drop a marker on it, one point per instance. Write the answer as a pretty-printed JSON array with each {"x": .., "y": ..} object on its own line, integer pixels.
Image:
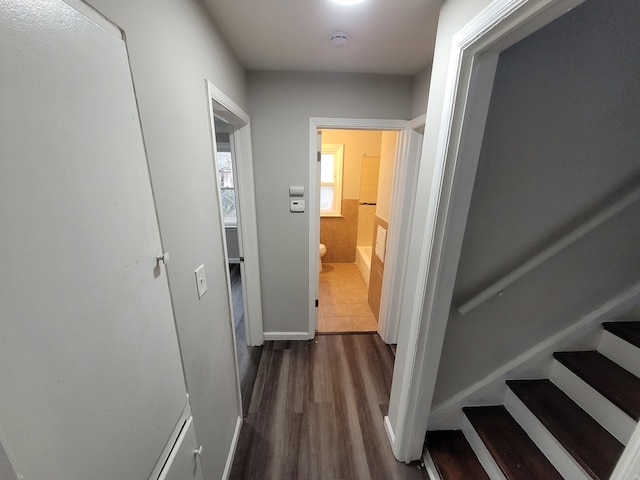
[{"x": 355, "y": 185}]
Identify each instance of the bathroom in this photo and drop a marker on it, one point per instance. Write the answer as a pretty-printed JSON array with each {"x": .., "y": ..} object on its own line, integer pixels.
[{"x": 356, "y": 183}]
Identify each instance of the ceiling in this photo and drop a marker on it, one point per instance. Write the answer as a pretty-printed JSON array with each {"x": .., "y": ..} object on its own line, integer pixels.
[{"x": 385, "y": 36}]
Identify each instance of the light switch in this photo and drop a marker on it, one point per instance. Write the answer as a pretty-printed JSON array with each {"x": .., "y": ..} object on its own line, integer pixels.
[
  {"x": 297, "y": 206},
  {"x": 201, "y": 281},
  {"x": 296, "y": 191}
]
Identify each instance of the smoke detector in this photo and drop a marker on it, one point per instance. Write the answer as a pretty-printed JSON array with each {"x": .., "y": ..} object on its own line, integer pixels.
[{"x": 339, "y": 39}]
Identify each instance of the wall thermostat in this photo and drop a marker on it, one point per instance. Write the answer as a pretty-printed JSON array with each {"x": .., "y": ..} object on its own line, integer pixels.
[{"x": 297, "y": 206}]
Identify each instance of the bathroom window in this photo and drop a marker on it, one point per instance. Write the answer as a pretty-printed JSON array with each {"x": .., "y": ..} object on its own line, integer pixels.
[
  {"x": 224, "y": 165},
  {"x": 331, "y": 180}
]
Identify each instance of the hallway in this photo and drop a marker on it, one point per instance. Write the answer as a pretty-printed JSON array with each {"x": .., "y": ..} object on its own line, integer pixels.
[{"x": 317, "y": 413}]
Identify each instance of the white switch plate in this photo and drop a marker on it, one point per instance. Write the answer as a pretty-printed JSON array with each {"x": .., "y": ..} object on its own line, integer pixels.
[
  {"x": 296, "y": 190},
  {"x": 201, "y": 281},
  {"x": 297, "y": 206}
]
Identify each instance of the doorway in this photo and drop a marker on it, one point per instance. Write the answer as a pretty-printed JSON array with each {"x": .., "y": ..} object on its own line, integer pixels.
[
  {"x": 356, "y": 175},
  {"x": 393, "y": 248},
  {"x": 231, "y": 138}
]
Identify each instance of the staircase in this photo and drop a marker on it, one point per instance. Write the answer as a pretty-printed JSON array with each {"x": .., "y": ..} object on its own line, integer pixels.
[{"x": 573, "y": 425}]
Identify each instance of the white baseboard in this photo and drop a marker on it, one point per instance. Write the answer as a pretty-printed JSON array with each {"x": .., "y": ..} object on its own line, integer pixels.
[
  {"x": 232, "y": 450},
  {"x": 534, "y": 363},
  {"x": 430, "y": 466},
  {"x": 271, "y": 336},
  {"x": 389, "y": 429}
]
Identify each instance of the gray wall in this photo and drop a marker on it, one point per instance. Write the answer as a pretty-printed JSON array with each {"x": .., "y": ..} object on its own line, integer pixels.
[
  {"x": 173, "y": 47},
  {"x": 561, "y": 136},
  {"x": 281, "y": 104},
  {"x": 420, "y": 86}
]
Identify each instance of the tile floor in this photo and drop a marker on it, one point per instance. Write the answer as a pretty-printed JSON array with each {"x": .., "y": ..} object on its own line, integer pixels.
[{"x": 344, "y": 305}]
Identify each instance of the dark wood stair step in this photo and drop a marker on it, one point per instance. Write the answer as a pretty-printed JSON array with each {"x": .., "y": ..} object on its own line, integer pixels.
[
  {"x": 618, "y": 385},
  {"x": 585, "y": 439},
  {"x": 453, "y": 456},
  {"x": 514, "y": 452},
  {"x": 629, "y": 331}
]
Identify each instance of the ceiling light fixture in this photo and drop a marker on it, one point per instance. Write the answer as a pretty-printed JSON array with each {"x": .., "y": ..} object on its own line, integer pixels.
[
  {"x": 339, "y": 39},
  {"x": 347, "y": 2}
]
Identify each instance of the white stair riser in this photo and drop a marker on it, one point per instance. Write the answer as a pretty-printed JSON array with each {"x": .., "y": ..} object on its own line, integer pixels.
[
  {"x": 546, "y": 442},
  {"x": 481, "y": 451},
  {"x": 618, "y": 423},
  {"x": 621, "y": 352}
]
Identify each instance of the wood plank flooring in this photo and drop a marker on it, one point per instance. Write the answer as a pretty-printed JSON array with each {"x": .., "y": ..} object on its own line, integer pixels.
[{"x": 317, "y": 413}]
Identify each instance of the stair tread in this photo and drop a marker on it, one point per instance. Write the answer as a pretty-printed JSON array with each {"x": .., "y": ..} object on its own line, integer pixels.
[
  {"x": 618, "y": 385},
  {"x": 629, "y": 331},
  {"x": 515, "y": 453},
  {"x": 453, "y": 456},
  {"x": 585, "y": 439}
]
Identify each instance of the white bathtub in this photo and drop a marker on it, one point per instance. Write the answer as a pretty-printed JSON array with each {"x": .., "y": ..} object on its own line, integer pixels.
[{"x": 363, "y": 261}]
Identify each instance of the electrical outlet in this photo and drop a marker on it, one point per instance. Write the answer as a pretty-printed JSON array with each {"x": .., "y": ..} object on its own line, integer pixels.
[{"x": 201, "y": 281}]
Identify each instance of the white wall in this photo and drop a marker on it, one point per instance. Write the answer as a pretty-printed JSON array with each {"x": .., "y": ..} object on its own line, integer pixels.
[
  {"x": 388, "y": 148},
  {"x": 561, "y": 136},
  {"x": 173, "y": 47},
  {"x": 281, "y": 104}
]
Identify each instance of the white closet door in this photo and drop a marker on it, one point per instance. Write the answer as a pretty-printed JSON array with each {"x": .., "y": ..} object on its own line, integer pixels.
[{"x": 91, "y": 379}]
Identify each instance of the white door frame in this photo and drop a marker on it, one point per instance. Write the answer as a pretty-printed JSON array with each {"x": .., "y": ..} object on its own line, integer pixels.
[
  {"x": 394, "y": 239},
  {"x": 437, "y": 230},
  {"x": 222, "y": 106},
  {"x": 403, "y": 197}
]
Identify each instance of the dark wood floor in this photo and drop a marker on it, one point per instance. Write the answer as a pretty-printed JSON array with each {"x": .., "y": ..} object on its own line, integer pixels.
[
  {"x": 248, "y": 357},
  {"x": 317, "y": 413}
]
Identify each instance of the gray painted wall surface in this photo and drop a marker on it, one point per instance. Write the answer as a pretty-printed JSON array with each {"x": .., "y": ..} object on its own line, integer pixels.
[
  {"x": 173, "y": 47},
  {"x": 561, "y": 136},
  {"x": 421, "y": 82},
  {"x": 281, "y": 104}
]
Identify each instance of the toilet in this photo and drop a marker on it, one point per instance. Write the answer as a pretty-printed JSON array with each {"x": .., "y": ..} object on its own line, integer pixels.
[{"x": 323, "y": 250}]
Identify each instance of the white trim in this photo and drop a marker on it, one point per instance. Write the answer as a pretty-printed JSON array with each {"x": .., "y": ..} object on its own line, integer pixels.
[
  {"x": 438, "y": 231},
  {"x": 482, "y": 452},
  {"x": 620, "y": 351},
  {"x": 628, "y": 467},
  {"x": 316, "y": 123},
  {"x": 171, "y": 441},
  {"x": 612, "y": 418},
  {"x": 402, "y": 205},
  {"x": 337, "y": 150},
  {"x": 430, "y": 466},
  {"x": 534, "y": 363},
  {"x": 555, "y": 452},
  {"x": 418, "y": 122},
  {"x": 232, "y": 450},
  {"x": 246, "y": 206},
  {"x": 389, "y": 428},
  {"x": 271, "y": 336}
]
